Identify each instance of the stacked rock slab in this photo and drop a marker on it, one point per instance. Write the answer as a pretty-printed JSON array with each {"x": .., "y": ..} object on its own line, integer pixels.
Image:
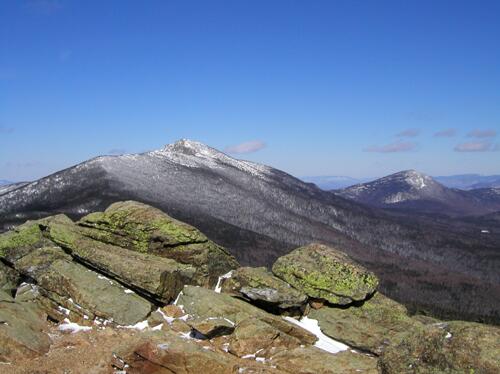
[
  {"x": 369, "y": 327},
  {"x": 142, "y": 228},
  {"x": 325, "y": 273},
  {"x": 262, "y": 288},
  {"x": 111, "y": 266}
]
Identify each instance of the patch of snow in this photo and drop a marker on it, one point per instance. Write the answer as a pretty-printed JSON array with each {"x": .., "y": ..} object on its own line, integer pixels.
[
  {"x": 158, "y": 328},
  {"x": 485, "y": 231},
  {"x": 138, "y": 326},
  {"x": 63, "y": 310},
  {"x": 165, "y": 317},
  {"x": 163, "y": 346},
  {"x": 73, "y": 327},
  {"x": 218, "y": 286},
  {"x": 324, "y": 342},
  {"x": 128, "y": 291},
  {"x": 177, "y": 298},
  {"x": 448, "y": 336}
]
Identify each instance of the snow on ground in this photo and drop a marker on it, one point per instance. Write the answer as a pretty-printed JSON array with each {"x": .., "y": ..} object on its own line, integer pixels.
[
  {"x": 218, "y": 287},
  {"x": 324, "y": 342},
  {"x": 73, "y": 327},
  {"x": 138, "y": 326}
]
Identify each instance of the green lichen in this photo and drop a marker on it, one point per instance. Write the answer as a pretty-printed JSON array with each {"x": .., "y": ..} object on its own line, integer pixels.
[
  {"x": 325, "y": 273},
  {"x": 24, "y": 236}
]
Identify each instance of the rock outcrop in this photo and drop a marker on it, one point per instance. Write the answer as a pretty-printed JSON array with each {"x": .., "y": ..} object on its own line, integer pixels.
[
  {"x": 448, "y": 347},
  {"x": 176, "y": 302},
  {"x": 370, "y": 327},
  {"x": 262, "y": 288},
  {"x": 325, "y": 273}
]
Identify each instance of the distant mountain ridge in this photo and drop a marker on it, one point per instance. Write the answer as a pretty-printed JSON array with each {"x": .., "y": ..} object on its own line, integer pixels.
[
  {"x": 260, "y": 213},
  {"x": 462, "y": 182},
  {"x": 414, "y": 191}
]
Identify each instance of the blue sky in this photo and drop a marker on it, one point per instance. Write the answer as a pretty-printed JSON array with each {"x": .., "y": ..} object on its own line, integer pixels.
[{"x": 358, "y": 88}]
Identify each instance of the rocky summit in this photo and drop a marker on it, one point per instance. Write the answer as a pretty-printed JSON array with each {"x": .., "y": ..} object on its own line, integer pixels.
[{"x": 133, "y": 290}]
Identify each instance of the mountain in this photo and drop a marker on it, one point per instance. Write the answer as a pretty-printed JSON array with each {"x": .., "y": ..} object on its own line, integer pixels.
[
  {"x": 469, "y": 181},
  {"x": 260, "y": 213},
  {"x": 462, "y": 182},
  {"x": 413, "y": 191},
  {"x": 10, "y": 186},
  {"x": 334, "y": 182},
  {"x": 3, "y": 182}
]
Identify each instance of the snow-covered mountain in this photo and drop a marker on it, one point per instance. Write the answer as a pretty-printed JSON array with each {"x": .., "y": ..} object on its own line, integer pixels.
[
  {"x": 260, "y": 213},
  {"x": 414, "y": 191}
]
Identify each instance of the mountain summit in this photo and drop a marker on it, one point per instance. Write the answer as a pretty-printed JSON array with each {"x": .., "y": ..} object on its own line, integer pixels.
[{"x": 414, "y": 191}]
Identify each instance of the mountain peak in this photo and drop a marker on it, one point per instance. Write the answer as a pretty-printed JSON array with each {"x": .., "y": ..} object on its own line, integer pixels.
[
  {"x": 190, "y": 147},
  {"x": 195, "y": 154},
  {"x": 412, "y": 177}
]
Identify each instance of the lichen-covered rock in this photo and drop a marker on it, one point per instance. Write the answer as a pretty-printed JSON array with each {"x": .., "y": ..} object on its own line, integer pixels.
[
  {"x": 20, "y": 241},
  {"x": 371, "y": 327},
  {"x": 82, "y": 291},
  {"x": 140, "y": 227},
  {"x": 203, "y": 303},
  {"x": 261, "y": 287},
  {"x": 311, "y": 360},
  {"x": 22, "y": 330},
  {"x": 448, "y": 347},
  {"x": 159, "y": 278},
  {"x": 326, "y": 273},
  {"x": 8, "y": 278}
]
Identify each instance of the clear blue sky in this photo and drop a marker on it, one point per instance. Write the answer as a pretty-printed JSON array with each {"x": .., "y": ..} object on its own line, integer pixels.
[{"x": 318, "y": 87}]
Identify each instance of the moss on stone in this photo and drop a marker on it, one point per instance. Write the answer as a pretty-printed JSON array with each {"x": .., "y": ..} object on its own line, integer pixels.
[
  {"x": 326, "y": 273},
  {"x": 24, "y": 236}
]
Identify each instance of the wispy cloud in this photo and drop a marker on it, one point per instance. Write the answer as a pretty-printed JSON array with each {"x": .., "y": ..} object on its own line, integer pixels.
[
  {"x": 482, "y": 134},
  {"x": 448, "y": 133},
  {"x": 408, "y": 133},
  {"x": 246, "y": 147},
  {"x": 393, "y": 147},
  {"x": 482, "y": 146},
  {"x": 6, "y": 130},
  {"x": 44, "y": 6}
]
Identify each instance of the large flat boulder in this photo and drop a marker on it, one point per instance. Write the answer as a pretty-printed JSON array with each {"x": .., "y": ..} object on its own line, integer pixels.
[
  {"x": 81, "y": 291},
  {"x": 447, "y": 347},
  {"x": 326, "y": 273},
  {"x": 255, "y": 329},
  {"x": 166, "y": 352},
  {"x": 373, "y": 326},
  {"x": 142, "y": 228},
  {"x": 22, "y": 330},
  {"x": 159, "y": 278},
  {"x": 262, "y": 288}
]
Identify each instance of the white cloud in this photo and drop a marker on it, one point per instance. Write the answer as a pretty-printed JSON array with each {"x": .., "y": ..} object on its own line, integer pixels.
[
  {"x": 246, "y": 147},
  {"x": 482, "y": 134},
  {"x": 448, "y": 133},
  {"x": 474, "y": 147},
  {"x": 392, "y": 148}
]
